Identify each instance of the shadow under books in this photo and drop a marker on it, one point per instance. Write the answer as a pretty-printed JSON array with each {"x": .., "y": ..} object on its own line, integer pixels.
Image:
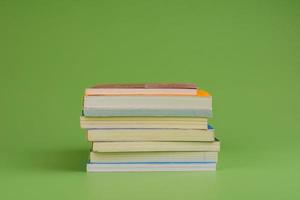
[{"x": 60, "y": 160}]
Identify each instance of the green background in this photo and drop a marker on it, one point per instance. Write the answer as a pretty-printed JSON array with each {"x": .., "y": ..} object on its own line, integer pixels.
[{"x": 246, "y": 53}]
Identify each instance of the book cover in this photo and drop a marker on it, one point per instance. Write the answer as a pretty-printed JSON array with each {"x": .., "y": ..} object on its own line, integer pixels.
[{"x": 155, "y": 146}]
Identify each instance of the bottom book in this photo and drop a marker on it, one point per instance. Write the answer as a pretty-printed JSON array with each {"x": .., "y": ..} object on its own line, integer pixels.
[{"x": 151, "y": 166}]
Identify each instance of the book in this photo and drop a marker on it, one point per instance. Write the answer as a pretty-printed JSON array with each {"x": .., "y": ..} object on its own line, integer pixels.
[
  {"x": 101, "y": 112},
  {"x": 142, "y": 157},
  {"x": 143, "y": 89},
  {"x": 150, "y": 134},
  {"x": 149, "y": 127},
  {"x": 133, "y": 167},
  {"x": 155, "y": 146},
  {"x": 143, "y": 122},
  {"x": 147, "y": 85},
  {"x": 197, "y": 102}
]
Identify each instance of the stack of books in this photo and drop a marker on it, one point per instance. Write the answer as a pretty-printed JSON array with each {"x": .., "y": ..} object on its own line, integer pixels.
[{"x": 149, "y": 127}]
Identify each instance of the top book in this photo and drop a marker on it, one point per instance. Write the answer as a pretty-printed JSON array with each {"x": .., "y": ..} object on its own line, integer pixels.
[{"x": 143, "y": 89}]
